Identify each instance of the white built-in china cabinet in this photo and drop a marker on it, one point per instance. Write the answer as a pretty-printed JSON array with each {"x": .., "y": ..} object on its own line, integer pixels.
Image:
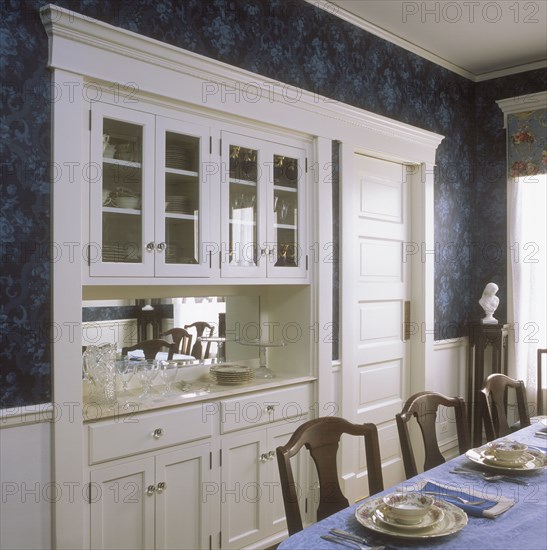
[{"x": 177, "y": 175}]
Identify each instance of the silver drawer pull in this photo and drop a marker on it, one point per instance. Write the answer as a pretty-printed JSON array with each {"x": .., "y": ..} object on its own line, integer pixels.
[
  {"x": 158, "y": 432},
  {"x": 150, "y": 490},
  {"x": 161, "y": 486}
]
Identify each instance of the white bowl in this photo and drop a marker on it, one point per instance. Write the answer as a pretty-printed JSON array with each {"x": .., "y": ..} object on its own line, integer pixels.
[
  {"x": 407, "y": 508},
  {"x": 507, "y": 450},
  {"x": 128, "y": 202}
]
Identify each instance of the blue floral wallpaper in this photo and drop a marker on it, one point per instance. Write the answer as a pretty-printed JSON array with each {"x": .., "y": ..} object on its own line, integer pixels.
[{"x": 288, "y": 40}]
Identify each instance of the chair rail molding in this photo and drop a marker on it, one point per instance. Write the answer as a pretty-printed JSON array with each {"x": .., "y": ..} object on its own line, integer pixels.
[{"x": 91, "y": 59}]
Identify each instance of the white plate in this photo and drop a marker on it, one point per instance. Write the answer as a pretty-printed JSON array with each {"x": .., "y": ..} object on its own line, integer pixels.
[
  {"x": 433, "y": 516},
  {"x": 480, "y": 455},
  {"x": 454, "y": 519}
]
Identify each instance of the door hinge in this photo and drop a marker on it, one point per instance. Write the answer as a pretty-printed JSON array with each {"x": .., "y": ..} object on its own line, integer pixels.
[
  {"x": 210, "y": 259},
  {"x": 306, "y": 165},
  {"x": 90, "y": 120},
  {"x": 220, "y": 146},
  {"x": 89, "y": 252},
  {"x": 210, "y": 460},
  {"x": 220, "y": 458},
  {"x": 306, "y": 506},
  {"x": 210, "y": 542},
  {"x": 306, "y": 262},
  {"x": 406, "y": 327},
  {"x": 210, "y": 145},
  {"x": 220, "y": 539}
]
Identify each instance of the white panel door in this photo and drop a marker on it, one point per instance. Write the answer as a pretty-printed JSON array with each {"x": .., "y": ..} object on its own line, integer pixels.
[
  {"x": 122, "y": 511},
  {"x": 186, "y": 492},
  {"x": 381, "y": 281}
]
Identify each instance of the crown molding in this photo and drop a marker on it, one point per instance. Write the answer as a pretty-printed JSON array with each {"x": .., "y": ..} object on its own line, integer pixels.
[
  {"x": 523, "y": 103},
  {"x": 101, "y": 52},
  {"x": 418, "y": 50}
]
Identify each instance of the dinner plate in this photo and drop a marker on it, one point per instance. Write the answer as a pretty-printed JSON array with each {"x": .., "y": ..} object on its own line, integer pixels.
[
  {"x": 481, "y": 455},
  {"x": 490, "y": 458},
  {"x": 433, "y": 516},
  {"x": 454, "y": 519}
]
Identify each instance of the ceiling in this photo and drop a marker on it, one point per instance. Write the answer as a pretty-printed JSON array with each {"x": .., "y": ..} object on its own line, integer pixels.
[{"x": 478, "y": 39}]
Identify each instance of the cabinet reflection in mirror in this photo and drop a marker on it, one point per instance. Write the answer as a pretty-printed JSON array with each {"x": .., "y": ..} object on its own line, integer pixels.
[{"x": 210, "y": 325}]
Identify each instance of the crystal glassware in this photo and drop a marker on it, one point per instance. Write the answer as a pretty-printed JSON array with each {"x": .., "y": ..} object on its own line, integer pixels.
[
  {"x": 147, "y": 370},
  {"x": 125, "y": 369},
  {"x": 168, "y": 373}
]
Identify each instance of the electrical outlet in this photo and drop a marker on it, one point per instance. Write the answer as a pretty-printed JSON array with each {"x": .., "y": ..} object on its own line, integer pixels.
[{"x": 444, "y": 427}]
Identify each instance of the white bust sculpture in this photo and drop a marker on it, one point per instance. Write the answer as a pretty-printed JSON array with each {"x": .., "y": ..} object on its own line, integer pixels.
[{"x": 489, "y": 302}]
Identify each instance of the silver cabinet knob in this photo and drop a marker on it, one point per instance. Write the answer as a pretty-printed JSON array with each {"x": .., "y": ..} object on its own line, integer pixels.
[
  {"x": 270, "y": 409},
  {"x": 161, "y": 487},
  {"x": 161, "y": 247},
  {"x": 150, "y": 490},
  {"x": 263, "y": 457},
  {"x": 271, "y": 455},
  {"x": 150, "y": 247},
  {"x": 158, "y": 432}
]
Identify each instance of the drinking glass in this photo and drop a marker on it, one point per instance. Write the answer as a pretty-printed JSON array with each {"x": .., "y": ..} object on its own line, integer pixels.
[
  {"x": 168, "y": 373},
  {"x": 147, "y": 370},
  {"x": 125, "y": 370}
]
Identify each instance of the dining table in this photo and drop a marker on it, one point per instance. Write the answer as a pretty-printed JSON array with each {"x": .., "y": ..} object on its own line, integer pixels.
[{"x": 513, "y": 513}]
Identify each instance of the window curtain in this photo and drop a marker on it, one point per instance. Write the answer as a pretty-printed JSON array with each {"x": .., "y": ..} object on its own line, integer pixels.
[{"x": 527, "y": 164}]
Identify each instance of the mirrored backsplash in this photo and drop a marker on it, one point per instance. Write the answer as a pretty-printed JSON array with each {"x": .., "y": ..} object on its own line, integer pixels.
[{"x": 223, "y": 319}]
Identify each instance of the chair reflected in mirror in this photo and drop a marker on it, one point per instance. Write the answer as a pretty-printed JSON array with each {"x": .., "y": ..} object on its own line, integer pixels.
[
  {"x": 151, "y": 348},
  {"x": 203, "y": 330},
  {"x": 182, "y": 340}
]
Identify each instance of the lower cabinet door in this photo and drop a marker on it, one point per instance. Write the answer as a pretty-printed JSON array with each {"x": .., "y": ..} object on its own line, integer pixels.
[
  {"x": 122, "y": 511},
  {"x": 252, "y": 503},
  {"x": 187, "y": 496},
  {"x": 244, "y": 488}
]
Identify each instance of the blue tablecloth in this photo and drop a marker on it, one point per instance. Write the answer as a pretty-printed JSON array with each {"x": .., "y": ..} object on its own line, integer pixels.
[{"x": 523, "y": 526}]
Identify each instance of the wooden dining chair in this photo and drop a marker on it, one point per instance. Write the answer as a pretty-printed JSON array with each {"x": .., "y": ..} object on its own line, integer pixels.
[
  {"x": 203, "y": 329},
  {"x": 493, "y": 405},
  {"x": 322, "y": 437},
  {"x": 424, "y": 406},
  {"x": 150, "y": 348},
  {"x": 182, "y": 340}
]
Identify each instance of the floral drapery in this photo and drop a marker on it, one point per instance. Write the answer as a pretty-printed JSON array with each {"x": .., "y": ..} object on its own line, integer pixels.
[
  {"x": 527, "y": 183},
  {"x": 527, "y": 146}
]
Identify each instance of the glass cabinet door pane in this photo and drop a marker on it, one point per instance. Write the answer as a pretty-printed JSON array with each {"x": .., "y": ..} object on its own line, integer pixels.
[
  {"x": 122, "y": 192},
  {"x": 286, "y": 174},
  {"x": 243, "y": 178},
  {"x": 182, "y": 198}
]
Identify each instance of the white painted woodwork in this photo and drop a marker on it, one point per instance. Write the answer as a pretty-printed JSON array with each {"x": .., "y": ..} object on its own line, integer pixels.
[
  {"x": 90, "y": 54},
  {"x": 136, "y": 434},
  {"x": 122, "y": 513},
  {"x": 185, "y": 508}
]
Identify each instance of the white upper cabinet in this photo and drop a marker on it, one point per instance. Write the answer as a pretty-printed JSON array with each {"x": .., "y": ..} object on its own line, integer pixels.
[
  {"x": 263, "y": 208},
  {"x": 147, "y": 195},
  {"x": 162, "y": 205}
]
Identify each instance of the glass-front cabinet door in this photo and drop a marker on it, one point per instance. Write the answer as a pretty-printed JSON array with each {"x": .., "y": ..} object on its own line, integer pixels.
[
  {"x": 121, "y": 175},
  {"x": 287, "y": 253},
  {"x": 263, "y": 208},
  {"x": 146, "y": 195},
  {"x": 181, "y": 193},
  {"x": 243, "y": 196}
]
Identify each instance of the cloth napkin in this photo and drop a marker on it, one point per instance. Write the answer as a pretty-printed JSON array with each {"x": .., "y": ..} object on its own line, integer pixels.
[{"x": 491, "y": 508}]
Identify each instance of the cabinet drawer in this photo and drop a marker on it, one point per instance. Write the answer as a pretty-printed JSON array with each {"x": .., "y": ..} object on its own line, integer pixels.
[
  {"x": 126, "y": 436},
  {"x": 291, "y": 404}
]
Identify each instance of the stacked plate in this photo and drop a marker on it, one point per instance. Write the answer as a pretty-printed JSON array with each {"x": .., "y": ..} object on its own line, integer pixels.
[
  {"x": 175, "y": 157},
  {"x": 115, "y": 253},
  {"x": 232, "y": 374},
  {"x": 179, "y": 204}
]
